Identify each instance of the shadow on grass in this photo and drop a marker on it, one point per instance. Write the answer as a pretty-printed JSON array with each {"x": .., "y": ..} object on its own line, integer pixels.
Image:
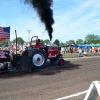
[{"x": 49, "y": 69}]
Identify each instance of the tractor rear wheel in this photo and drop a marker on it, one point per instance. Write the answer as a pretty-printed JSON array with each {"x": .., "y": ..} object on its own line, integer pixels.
[
  {"x": 38, "y": 58},
  {"x": 25, "y": 53}
]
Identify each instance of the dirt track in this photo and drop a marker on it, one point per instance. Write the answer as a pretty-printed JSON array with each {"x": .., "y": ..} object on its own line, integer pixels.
[{"x": 51, "y": 82}]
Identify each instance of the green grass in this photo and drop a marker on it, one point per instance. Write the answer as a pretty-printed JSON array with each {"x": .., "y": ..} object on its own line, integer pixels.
[{"x": 72, "y": 55}]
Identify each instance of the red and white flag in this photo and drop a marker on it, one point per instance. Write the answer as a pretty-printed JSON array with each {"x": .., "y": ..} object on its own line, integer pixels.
[{"x": 4, "y": 33}]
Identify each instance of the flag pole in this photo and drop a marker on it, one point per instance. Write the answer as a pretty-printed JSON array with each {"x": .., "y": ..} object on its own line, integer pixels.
[
  {"x": 16, "y": 41},
  {"x": 9, "y": 40}
]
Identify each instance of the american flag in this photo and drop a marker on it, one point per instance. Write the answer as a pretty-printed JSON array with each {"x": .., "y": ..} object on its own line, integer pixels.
[{"x": 4, "y": 33}]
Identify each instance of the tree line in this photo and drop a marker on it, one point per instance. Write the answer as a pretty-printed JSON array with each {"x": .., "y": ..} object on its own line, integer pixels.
[{"x": 89, "y": 39}]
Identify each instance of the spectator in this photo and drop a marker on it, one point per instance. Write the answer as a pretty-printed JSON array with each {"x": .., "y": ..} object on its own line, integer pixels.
[
  {"x": 85, "y": 52},
  {"x": 71, "y": 50},
  {"x": 64, "y": 50},
  {"x": 68, "y": 49},
  {"x": 90, "y": 50},
  {"x": 98, "y": 48},
  {"x": 80, "y": 52}
]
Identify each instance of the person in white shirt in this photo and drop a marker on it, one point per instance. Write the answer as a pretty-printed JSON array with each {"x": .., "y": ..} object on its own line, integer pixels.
[
  {"x": 85, "y": 52},
  {"x": 80, "y": 52}
]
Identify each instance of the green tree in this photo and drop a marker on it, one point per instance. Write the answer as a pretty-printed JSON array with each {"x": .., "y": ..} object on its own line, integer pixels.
[
  {"x": 42, "y": 41},
  {"x": 71, "y": 42},
  {"x": 67, "y": 42},
  {"x": 57, "y": 42},
  {"x": 19, "y": 40},
  {"x": 97, "y": 40},
  {"x": 91, "y": 38},
  {"x": 33, "y": 41},
  {"x": 4, "y": 43},
  {"x": 46, "y": 41},
  {"x": 62, "y": 44},
  {"x": 85, "y": 42},
  {"x": 79, "y": 41}
]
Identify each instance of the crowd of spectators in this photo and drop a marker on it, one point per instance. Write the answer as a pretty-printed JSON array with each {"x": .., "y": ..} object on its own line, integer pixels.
[
  {"x": 79, "y": 50},
  {"x": 20, "y": 48},
  {"x": 12, "y": 48},
  {"x": 64, "y": 50}
]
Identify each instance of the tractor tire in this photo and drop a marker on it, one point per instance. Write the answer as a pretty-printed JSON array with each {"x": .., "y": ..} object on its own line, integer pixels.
[
  {"x": 38, "y": 58},
  {"x": 4, "y": 68},
  {"x": 61, "y": 62},
  {"x": 25, "y": 53},
  {"x": 52, "y": 60}
]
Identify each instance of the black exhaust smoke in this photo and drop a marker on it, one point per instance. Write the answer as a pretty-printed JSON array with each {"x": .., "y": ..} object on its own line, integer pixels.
[{"x": 43, "y": 8}]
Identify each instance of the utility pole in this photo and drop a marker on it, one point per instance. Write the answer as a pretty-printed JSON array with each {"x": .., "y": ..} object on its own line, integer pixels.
[{"x": 29, "y": 31}]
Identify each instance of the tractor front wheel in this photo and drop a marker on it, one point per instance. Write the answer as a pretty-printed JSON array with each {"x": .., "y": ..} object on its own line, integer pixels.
[
  {"x": 61, "y": 62},
  {"x": 52, "y": 61}
]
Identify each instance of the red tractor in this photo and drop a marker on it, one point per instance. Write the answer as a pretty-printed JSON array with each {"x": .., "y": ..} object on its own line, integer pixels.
[
  {"x": 35, "y": 56},
  {"x": 39, "y": 53}
]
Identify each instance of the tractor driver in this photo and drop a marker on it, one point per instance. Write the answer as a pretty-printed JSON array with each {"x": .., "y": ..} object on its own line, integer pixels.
[{"x": 38, "y": 42}]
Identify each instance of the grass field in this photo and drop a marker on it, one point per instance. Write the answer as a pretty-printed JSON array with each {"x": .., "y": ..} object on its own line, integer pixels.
[{"x": 72, "y": 55}]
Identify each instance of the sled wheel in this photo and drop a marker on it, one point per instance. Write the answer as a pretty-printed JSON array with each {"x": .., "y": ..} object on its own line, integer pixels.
[
  {"x": 38, "y": 58},
  {"x": 4, "y": 68},
  {"x": 61, "y": 62},
  {"x": 52, "y": 61}
]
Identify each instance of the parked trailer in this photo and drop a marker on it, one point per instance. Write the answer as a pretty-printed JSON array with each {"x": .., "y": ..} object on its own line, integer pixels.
[{"x": 4, "y": 59}]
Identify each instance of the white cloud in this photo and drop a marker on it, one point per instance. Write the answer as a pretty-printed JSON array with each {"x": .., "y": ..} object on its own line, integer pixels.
[
  {"x": 73, "y": 18},
  {"x": 96, "y": 19},
  {"x": 77, "y": 20}
]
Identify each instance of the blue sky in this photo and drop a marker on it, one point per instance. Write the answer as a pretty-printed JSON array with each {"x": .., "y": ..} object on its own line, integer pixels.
[{"x": 74, "y": 19}]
